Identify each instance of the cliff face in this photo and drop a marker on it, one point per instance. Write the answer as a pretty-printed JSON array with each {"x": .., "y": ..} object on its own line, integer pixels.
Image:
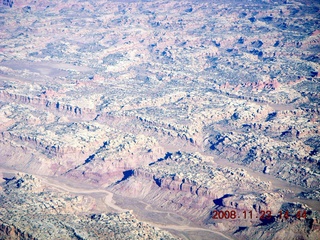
[
  {"x": 186, "y": 181},
  {"x": 43, "y": 102},
  {"x": 194, "y": 187},
  {"x": 11, "y": 232}
]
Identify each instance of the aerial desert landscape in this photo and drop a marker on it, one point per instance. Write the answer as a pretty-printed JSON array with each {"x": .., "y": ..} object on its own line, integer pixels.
[{"x": 160, "y": 119}]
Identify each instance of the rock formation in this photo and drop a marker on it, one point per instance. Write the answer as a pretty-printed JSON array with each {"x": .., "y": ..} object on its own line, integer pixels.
[{"x": 189, "y": 107}]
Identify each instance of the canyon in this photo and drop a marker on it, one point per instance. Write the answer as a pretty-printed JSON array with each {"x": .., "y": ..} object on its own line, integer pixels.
[{"x": 139, "y": 119}]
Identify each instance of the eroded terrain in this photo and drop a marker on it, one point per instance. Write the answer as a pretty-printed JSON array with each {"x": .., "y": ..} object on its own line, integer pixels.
[{"x": 152, "y": 115}]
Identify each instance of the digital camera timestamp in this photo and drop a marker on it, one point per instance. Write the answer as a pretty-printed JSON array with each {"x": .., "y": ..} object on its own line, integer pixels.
[{"x": 262, "y": 215}]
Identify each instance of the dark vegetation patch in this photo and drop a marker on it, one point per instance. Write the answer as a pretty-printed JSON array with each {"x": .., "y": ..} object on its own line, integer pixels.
[
  {"x": 267, "y": 19},
  {"x": 271, "y": 116},
  {"x": 112, "y": 59}
]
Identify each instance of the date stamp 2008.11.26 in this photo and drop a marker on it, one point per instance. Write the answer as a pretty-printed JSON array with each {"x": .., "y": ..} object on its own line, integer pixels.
[{"x": 262, "y": 215}]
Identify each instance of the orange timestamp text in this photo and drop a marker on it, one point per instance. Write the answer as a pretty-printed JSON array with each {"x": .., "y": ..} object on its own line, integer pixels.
[{"x": 262, "y": 215}]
